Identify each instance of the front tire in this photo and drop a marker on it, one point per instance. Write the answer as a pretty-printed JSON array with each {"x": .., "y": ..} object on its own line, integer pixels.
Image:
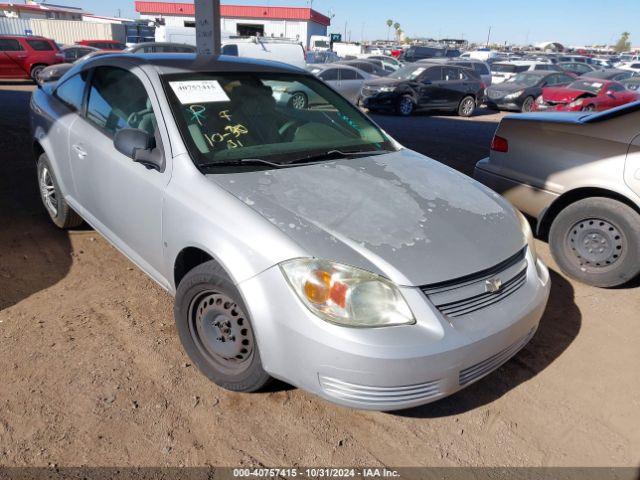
[
  {"x": 36, "y": 70},
  {"x": 467, "y": 106},
  {"x": 299, "y": 101},
  {"x": 597, "y": 241},
  {"x": 61, "y": 214},
  {"x": 216, "y": 331},
  {"x": 405, "y": 106},
  {"x": 527, "y": 105}
]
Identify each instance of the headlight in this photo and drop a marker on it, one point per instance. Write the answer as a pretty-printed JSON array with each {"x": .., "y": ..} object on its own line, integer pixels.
[
  {"x": 528, "y": 233},
  {"x": 279, "y": 88},
  {"x": 514, "y": 95},
  {"x": 386, "y": 89},
  {"x": 576, "y": 103},
  {"x": 346, "y": 296}
]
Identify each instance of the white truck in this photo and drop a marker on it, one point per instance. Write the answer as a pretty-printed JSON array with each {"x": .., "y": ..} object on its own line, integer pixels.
[
  {"x": 347, "y": 50},
  {"x": 319, "y": 43}
]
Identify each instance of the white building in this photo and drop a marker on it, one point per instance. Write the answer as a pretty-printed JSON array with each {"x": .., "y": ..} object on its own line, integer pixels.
[{"x": 284, "y": 22}]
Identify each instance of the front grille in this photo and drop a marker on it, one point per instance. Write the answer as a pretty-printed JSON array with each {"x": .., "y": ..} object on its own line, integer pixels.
[
  {"x": 474, "y": 372},
  {"x": 379, "y": 395},
  {"x": 494, "y": 95},
  {"x": 469, "y": 294}
]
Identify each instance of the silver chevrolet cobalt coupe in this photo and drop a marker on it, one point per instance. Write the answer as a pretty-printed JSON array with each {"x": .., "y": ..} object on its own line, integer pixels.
[{"x": 301, "y": 244}]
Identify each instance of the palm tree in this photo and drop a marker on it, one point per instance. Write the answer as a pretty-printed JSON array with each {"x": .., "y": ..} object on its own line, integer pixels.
[
  {"x": 396, "y": 26},
  {"x": 389, "y": 25}
]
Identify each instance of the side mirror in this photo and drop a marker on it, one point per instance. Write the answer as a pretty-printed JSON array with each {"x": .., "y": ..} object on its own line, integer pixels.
[{"x": 139, "y": 146}]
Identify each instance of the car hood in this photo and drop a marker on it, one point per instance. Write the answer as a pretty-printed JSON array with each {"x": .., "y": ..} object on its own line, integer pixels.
[
  {"x": 384, "y": 82},
  {"x": 565, "y": 95},
  {"x": 400, "y": 215}
]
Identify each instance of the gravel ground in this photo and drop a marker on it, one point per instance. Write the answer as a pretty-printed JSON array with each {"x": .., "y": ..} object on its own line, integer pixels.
[{"x": 93, "y": 372}]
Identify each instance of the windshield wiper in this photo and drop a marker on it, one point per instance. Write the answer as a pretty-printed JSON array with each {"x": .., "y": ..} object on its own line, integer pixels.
[
  {"x": 243, "y": 161},
  {"x": 335, "y": 154}
]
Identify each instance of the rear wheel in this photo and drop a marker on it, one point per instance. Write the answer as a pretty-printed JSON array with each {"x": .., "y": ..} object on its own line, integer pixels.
[
  {"x": 216, "y": 331},
  {"x": 597, "y": 241},
  {"x": 467, "y": 106},
  {"x": 61, "y": 214},
  {"x": 405, "y": 106},
  {"x": 527, "y": 105}
]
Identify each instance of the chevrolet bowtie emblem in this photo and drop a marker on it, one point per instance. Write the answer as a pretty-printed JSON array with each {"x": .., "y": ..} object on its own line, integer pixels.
[{"x": 493, "y": 285}]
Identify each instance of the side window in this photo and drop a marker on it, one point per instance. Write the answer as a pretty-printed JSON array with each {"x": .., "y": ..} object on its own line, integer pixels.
[
  {"x": 432, "y": 74},
  {"x": 329, "y": 75},
  {"x": 70, "y": 55},
  {"x": 10, "y": 45},
  {"x": 366, "y": 67},
  {"x": 71, "y": 92},
  {"x": 615, "y": 88},
  {"x": 117, "y": 100},
  {"x": 347, "y": 74},
  {"x": 40, "y": 45},
  {"x": 451, "y": 74},
  {"x": 230, "y": 49}
]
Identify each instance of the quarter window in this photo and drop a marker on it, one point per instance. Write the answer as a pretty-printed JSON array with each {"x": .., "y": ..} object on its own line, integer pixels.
[
  {"x": 10, "y": 45},
  {"x": 40, "y": 45},
  {"x": 117, "y": 100},
  {"x": 71, "y": 92}
]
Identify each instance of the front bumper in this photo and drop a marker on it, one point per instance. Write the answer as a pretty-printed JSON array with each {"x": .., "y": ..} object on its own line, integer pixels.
[
  {"x": 390, "y": 368},
  {"x": 379, "y": 101},
  {"x": 502, "y": 104},
  {"x": 562, "y": 107}
]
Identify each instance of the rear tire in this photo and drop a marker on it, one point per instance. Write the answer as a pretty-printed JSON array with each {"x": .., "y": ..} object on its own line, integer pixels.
[
  {"x": 61, "y": 214},
  {"x": 597, "y": 241},
  {"x": 467, "y": 106},
  {"x": 299, "y": 101},
  {"x": 405, "y": 106},
  {"x": 216, "y": 331}
]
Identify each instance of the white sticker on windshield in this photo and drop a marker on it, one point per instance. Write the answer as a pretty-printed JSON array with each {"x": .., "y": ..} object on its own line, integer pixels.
[
  {"x": 199, "y": 91},
  {"x": 597, "y": 84}
]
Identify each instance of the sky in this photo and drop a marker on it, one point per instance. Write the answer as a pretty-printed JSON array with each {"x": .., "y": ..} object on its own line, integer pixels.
[{"x": 570, "y": 22}]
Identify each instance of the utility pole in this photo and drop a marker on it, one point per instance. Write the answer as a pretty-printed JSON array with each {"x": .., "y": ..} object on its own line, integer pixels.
[
  {"x": 488, "y": 36},
  {"x": 208, "y": 24}
]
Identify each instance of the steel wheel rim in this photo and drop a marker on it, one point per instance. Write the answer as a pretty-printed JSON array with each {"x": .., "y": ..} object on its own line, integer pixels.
[
  {"x": 298, "y": 101},
  {"x": 596, "y": 243},
  {"x": 221, "y": 332},
  {"x": 467, "y": 106},
  {"x": 48, "y": 192},
  {"x": 406, "y": 106},
  {"x": 527, "y": 106}
]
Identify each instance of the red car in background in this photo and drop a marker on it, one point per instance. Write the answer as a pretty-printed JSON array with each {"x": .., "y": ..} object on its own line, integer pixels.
[
  {"x": 103, "y": 44},
  {"x": 23, "y": 57},
  {"x": 586, "y": 94}
]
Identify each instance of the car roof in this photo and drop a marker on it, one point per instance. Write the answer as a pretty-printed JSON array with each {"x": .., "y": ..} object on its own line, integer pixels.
[
  {"x": 10, "y": 35},
  {"x": 171, "y": 63}
]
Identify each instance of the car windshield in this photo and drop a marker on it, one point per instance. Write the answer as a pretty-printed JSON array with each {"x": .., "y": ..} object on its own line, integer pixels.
[
  {"x": 508, "y": 68},
  {"x": 407, "y": 73},
  {"x": 280, "y": 118},
  {"x": 526, "y": 79},
  {"x": 587, "y": 86}
]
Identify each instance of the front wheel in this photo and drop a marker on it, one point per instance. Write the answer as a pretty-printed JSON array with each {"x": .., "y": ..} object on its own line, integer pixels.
[
  {"x": 405, "y": 106},
  {"x": 299, "y": 101},
  {"x": 527, "y": 105},
  {"x": 467, "y": 106},
  {"x": 216, "y": 331},
  {"x": 36, "y": 70},
  {"x": 597, "y": 241}
]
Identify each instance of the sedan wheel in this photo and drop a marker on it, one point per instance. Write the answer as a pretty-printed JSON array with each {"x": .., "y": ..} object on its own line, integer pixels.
[
  {"x": 48, "y": 192},
  {"x": 527, "y": 105},
  {"x": 597, "y": 241},
  {"x": 54, "y": 203},
  {"x": 299, "y": 101},
  {"x": 216, "y": 331}
]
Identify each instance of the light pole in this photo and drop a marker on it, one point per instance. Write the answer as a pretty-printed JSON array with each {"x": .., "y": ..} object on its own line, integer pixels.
[
  {"x": 208, "y": 24},
  {"x": 488, "y": 36}
]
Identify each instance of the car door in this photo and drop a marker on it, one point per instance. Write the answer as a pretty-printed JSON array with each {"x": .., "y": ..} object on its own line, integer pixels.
[
  {"x": 331, "y": 77},
  {"x": 632, "y": 166},
  {"x": 121, "y": 198},
  {"x": 12, "y": 58},
  {"x": 350, "y": 83},
  {"x": 431, "y": 91},
  {"x": 455, "y": 84}
]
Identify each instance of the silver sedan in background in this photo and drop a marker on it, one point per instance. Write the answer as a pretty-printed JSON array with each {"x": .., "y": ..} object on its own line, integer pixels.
[{"x": 301, "y": 244}]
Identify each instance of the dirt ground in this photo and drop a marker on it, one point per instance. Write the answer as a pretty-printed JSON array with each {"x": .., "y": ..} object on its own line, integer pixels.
[{"x": 92, "y": 372}]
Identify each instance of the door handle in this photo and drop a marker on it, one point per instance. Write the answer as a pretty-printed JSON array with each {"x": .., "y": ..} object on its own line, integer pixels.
[{"x": 80, "y": 151}]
